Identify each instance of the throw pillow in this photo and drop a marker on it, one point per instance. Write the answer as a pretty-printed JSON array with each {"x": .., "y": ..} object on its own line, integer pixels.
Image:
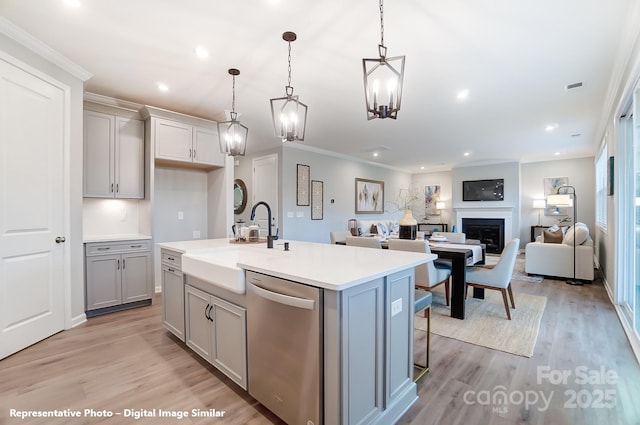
[
  {"x": 552, "y": 236},
  {"x": 579, "y": 232}
]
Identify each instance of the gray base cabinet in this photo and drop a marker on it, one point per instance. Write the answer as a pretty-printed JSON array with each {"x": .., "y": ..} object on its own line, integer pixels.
[
  {"x": 117, "y": 273},
  {"x": 368, "y": 377},
  {"x": 172, "y": 293},
  {"x": 216, "y": 330}
]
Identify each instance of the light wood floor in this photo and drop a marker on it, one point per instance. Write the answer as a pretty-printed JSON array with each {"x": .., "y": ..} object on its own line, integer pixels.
[{"x": 127, "y": 360}]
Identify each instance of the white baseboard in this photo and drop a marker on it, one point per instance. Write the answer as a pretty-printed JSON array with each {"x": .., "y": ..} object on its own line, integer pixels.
[{"x": 78, "y": 320}]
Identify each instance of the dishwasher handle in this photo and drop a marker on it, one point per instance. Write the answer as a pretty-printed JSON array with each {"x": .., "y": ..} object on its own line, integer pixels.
[{"x": 284, "y": 299}]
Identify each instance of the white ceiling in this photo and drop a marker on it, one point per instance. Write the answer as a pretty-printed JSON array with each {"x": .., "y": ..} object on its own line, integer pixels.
[{"x": 514, "y": 57}]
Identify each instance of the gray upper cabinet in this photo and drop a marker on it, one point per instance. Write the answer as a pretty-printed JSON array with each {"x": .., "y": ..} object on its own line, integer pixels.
[
  {"x": 179, "y": 142},
  {"x": 113, "y": 156}
]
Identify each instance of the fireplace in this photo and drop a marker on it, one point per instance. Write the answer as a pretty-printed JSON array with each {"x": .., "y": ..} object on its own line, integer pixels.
[{"x": 489, "y": 231}]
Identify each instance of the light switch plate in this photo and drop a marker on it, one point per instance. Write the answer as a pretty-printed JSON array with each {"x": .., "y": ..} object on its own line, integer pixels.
[{"x": 180, "y": 215}]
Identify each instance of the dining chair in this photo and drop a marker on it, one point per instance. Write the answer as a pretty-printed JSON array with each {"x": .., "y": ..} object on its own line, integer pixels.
[
  {"x": 367, "y": 242},
  {"x": 427, "y": 275},
  {"x": 339, "y": 236},
  {"x": 498, "y": 277}
]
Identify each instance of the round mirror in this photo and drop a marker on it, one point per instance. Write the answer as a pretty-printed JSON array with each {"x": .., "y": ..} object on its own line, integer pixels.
[{"x": 239, "y": 196}]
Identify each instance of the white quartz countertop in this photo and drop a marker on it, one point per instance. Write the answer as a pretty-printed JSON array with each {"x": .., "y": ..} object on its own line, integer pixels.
[
  {"x": 335, "y": 267},
  {"x": 115, "y": 238}
]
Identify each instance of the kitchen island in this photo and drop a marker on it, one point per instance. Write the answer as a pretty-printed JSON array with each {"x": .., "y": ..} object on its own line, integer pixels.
[{"x": 362, "y": 344}]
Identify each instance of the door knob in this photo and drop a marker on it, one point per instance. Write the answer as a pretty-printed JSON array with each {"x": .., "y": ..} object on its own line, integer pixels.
[{"x": 60, "y": 239}]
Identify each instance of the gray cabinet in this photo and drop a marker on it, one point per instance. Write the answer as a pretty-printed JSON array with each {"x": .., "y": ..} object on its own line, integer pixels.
[
  {"x": 172, "y": 293},
  {"x": 113, "y": 156},
  {"x": 178, "y": 142},
  {"x": 117, "y": 273},
  {"x": 368, "y": 352},
  {"x": 216, "y": 330}
]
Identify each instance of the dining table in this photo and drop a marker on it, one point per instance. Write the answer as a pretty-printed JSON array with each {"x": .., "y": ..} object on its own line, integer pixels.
[{"x": 459, "y": 256}]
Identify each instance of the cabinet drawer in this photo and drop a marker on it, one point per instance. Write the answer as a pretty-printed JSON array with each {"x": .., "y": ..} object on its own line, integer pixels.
[
  {"x": 172, "y": 258},
  {"x": 101, "y": 248}
]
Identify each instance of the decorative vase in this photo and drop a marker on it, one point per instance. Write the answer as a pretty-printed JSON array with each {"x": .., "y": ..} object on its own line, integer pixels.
[{"x": 408, "y": 226}]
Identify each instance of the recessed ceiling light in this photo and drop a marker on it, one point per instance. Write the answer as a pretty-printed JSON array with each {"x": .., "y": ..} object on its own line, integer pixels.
[
  {"x": 375, "y": 154},
  {"x": 557, "y": 153},
  {"x": 422, "y": 168},
  {"x": 72, "y": 3},
  {"x": 462, "y": 94},
  {"x": 163, "y": 87},
  {"x": 467, "y": 154},
  {"x": 201, "y": 52},
  {"x": 274, "y": 2},
  {"x": 551, "y": 127}
]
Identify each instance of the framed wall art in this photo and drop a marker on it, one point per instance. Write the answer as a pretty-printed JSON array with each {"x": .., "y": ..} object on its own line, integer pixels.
[
  {"x": 431, "y": 196},
  {"x": 303, "y": 181},
  {"x": 551, "y": 186},
  {"x": 369, "y": 196},
  {"x": 317, "y": 199}
]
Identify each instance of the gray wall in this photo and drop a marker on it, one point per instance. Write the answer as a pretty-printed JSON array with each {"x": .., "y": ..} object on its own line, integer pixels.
[
  {"x": 581, "y": 174},
  {"x": 338, "y": 175}
]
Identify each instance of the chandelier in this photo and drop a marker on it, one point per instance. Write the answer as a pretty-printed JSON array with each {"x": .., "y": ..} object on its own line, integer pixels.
[
  {"x": 289, "y": 115},
  {"x": 232, "y": 134},
  {"x": 383, "y": 102}
]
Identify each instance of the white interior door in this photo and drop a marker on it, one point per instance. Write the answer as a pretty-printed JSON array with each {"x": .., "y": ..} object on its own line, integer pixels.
[
  {"x": 32, "y": 116},
  {"x": 265, "y": 188}
]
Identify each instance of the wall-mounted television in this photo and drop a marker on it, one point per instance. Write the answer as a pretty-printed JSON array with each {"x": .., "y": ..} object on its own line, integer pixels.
[{"x": 483, "y": 190}]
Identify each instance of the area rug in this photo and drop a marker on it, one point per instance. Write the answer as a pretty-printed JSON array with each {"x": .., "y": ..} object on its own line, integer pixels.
[{"x": 486, "y": 322}]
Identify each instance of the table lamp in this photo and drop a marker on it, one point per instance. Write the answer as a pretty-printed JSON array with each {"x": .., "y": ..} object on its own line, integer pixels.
[
  {"x": 539, "y": 204},
  {"x": 440, "y": 205}
]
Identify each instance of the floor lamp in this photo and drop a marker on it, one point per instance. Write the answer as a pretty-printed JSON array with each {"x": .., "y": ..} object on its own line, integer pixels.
[
  {"x": 566, "y": 197},
  {"x": 539, "y": 204}
]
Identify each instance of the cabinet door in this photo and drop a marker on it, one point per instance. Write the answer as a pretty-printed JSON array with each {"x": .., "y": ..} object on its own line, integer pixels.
[
  {"x": 99, "y": 145},
  {"x": 206, "y": 147},
  {"x": 136, "y": 276},
  {"x": 229, "y": 340},
  {"x": 198, "y": 325},
  {"x": 129, "y": 158},
  {"x": 173, "y": 140},
  {"x": 103, "y": 281},
  {"x": 173, "y": 301}
]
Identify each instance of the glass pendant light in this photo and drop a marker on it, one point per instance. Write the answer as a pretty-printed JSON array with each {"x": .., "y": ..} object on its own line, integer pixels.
[
  {"x": 289, "y": 115},
  {"x": 232, "y": 134},
  {"x": 383, "y": 80}
]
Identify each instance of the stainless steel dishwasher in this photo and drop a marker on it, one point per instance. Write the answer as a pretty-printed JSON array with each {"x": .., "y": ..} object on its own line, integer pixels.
[{"x": 285, "y": 347}]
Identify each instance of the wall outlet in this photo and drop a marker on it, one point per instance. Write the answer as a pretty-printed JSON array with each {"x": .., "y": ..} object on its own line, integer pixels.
[
  {"x": 180, "y": 215},
  {"x": 396, "y": 307},
  {"x": 196, "y": 234},
  {"x": 123, "y": 215},
  {"x": 300, "y": 214},
  {"x": 290, "y": 214}
]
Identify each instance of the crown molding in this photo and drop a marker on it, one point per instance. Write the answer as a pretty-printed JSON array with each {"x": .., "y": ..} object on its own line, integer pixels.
[
  {"x": 25, "y": 39},
  {"x": 110, "y": 101}
]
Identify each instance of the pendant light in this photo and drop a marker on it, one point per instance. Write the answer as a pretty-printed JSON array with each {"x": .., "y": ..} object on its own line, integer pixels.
[
  {"x": 232, "y": 134},
  {"x": 289, "y": 115},
  {"x": 383, "y": 80}
]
